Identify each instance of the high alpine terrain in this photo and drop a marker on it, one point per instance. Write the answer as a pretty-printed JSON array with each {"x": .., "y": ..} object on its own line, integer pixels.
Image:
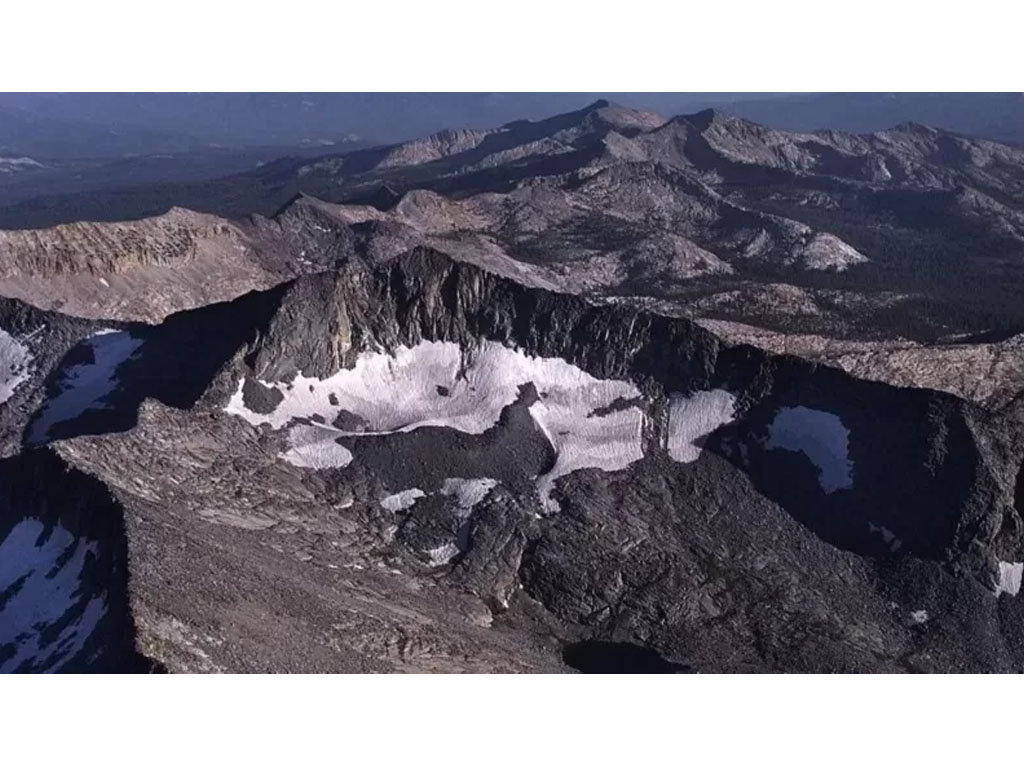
[{"x": 601, "y": 392}]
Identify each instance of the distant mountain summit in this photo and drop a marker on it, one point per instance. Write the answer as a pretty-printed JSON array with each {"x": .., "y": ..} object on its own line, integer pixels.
[
  {"x": 699, "y": 210},
  {"x": 996, "y": 116}
]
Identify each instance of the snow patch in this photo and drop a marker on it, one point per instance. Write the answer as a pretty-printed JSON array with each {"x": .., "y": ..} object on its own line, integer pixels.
[
  {"x": 396, "y": 502},
  {"x": 693, "y": 417},
  {"x": 45, "y": 576},
  {"x": 84, "y": 386},
  {"x": 403, "y": 392},
  {"x": 821, "y": 437},
  {"x": 581, "y": 440},
  {"x": 315, "y": 446},
  {"x": 438, "y": 384},
  {"x": 467, "y": 492},
  {"x": 15, "y": 361},
  {"x": 1009, "y": 578},
  {"x": 890, "y": 538},
  {"x": 441, "y": 555}
]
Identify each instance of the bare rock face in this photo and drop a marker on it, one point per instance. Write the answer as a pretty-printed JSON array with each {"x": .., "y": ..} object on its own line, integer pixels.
[
  {"x": 432, "y": 148},
  {"x": 106, "y": 248},
  {"x": 141, "y": 270},
  {"x": 990, "y": 374}
]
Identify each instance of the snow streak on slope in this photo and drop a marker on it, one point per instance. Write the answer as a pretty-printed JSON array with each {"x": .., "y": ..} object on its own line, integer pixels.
[
  {"x": 581, "y": 440},
  {"x": 316, "y": 446},
  {"x": 12, "y": 165},
  {"x": 821, "y": 437},
  {"x": 1010, "y": 577},
  {"x": 468, "y": 492},
  {"x": 84, "y": 386},
  {"x": 438, "y": 384},
  {"x": 40, "y": 578},
  {"x": 14, "y": 365},
  {"x": 691, "y": 418},
  {"x": 396, "y": 502}
]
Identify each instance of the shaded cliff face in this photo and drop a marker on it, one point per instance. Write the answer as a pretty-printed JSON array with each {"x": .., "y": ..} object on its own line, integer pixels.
[
  {"x": 422, "y": 465},
  {"x": 62, "y": 376}
]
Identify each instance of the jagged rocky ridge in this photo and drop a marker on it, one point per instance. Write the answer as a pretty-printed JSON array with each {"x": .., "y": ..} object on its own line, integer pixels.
[
  {"x": 422, "y": 465},
  {"x": 146, "y": 270},
  {"x": 900, "y": 239},
  {"x": 141, "y": 278}
]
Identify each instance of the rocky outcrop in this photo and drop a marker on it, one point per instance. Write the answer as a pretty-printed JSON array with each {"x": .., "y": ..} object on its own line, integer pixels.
[
  {"x": 145, "y": 270},
  {"x": 989, "y": 373},
  {"x": 141, "y": 270},
  {"x": 100, "y": 248}
]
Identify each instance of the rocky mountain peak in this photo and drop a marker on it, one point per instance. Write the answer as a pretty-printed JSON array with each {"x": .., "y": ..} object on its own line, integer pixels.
[{"x": 731, "y": 398}]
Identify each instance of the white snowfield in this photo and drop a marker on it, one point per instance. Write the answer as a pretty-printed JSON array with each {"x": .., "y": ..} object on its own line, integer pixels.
[
  {"x": 437, "y": 384},
  {"x": 84, "y": 386},
  {"x": 400, "y": 393},
  {"x": 1010, "y": 577},
  {"x": 468, "y": 492},
  {"x": 396, "y": 502},
  {"x": 693, "y": 417},
  {"x": 15, "y": 362},
  {"x": 610, "y": 442},
  {"x": 821, "y": 437},
  {"x": 316, "y": 446},
  {"x": 47, "y": 593}
]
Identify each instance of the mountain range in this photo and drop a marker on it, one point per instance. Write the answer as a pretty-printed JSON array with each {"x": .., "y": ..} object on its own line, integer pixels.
[{"x": 603, "y": 391}]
